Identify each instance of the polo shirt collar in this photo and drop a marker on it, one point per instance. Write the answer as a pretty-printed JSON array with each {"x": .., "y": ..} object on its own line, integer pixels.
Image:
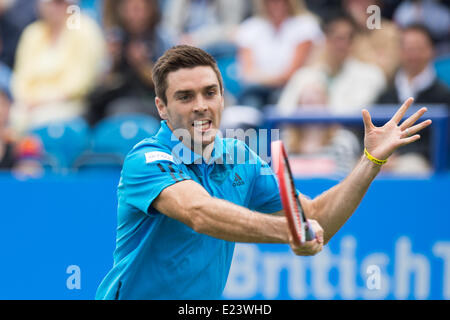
[{"x": 182, "y": 154}]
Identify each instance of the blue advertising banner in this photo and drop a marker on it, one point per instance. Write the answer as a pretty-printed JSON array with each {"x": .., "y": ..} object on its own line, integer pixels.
[{"x": 57, "y": 236}]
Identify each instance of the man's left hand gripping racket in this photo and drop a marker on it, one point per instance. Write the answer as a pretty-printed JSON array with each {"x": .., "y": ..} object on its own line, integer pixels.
[{"x": 298, "y": 225}]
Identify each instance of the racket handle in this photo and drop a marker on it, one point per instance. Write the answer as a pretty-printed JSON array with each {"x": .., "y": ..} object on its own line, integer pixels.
[{"x": 310, "y": 234}]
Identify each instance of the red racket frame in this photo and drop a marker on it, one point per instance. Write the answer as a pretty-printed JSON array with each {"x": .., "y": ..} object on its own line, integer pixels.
[{"x": 294, "y": 218}]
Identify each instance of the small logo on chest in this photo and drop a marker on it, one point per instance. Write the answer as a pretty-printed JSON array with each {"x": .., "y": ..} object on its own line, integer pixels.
[{"x": 237, "y": 180}]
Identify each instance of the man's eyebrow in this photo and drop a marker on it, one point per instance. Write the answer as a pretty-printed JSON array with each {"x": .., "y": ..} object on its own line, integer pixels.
[
  {"x": 213, "y": 86},
  {"x": 189, "y": 91},
  {"x": 182, "y": 92}
]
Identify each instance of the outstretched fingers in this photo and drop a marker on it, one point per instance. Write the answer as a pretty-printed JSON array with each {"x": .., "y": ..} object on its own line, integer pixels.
[
  {"x": 414, "y": 129},
  {"x": 402, "y": 110},
  {"x": 412, "y": 119},
  {"x": 405, "y": 141}
]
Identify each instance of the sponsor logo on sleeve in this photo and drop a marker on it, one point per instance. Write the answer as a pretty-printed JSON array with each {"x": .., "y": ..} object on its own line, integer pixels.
[{"x": 157, "y": 156}]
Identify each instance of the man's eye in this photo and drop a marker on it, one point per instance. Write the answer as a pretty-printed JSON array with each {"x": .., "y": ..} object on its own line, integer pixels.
[
  {"x": 184, "y": 98},
  {"x": 211, "y": 93}
]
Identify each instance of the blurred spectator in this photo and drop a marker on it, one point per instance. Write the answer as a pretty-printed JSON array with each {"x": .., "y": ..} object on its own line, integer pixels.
[
  {"x": 334, "y": 78},
  {"x": 15, "y": 15},
  {"x": 273, "y": 44},
  {"x": 58, "y": 60},
  {"x": 416, "y": 78},
  {"x": 322, "y": 7},
  {"x": 28, "y": 152},
  {"x": 430, "y": 13},
  {"x": 5, "y": 75},
  {"x": 19, "y": 155},
  {"x": 7, "y": 158},
  {"x": 377, "y": 46},
  {"x": 135, "y": 41},
  {"x": 209, "y": 24},
  {"x": 336, "y": 82}
]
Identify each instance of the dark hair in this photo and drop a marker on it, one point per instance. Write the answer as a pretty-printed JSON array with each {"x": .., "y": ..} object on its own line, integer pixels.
[
  {"x": 179, "y": 57},
  {"x": 112, "y": 18},
  {"x": 420, "y": 28},
  {"x": 335, "y": 15}
]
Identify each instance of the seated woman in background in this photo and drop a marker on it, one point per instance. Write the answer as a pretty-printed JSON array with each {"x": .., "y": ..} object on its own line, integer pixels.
[
  {"x": 208, "y": 24},
  {"x": 59, "y": 59},
  {"x": 378, "y": 46},
  {"x": 272, "y": 45},
  {"x": 135, "y": 41},
  {"x": 335, "y": 83}
]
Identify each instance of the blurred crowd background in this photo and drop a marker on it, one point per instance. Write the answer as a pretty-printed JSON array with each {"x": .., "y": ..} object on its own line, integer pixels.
[{"x": 76, "y": 90}]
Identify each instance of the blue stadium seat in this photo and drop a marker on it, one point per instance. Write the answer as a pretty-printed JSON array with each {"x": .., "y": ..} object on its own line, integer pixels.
[
  {"x": 92, "y": 8},
  {"x": 228, "y": 67},
  {"x": 114, "y": 137},
  {"x": 442, "y": 66},
  {"x": 63, "y": 142},
  {"x": 119, "y": 133}
]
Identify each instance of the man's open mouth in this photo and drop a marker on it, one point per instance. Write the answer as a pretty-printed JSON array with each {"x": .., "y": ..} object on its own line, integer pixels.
[{"x": 202, "y": 125}]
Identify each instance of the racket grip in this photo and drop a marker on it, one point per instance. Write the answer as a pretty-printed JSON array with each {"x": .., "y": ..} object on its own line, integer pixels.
[{"x": 310, "y": 234}]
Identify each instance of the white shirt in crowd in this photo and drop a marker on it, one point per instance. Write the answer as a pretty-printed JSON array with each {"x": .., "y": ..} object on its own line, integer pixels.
[
  {"x": 273, "y": 50},
  {"x": 356, "y": 86},
  {"x": 407, "y": 88}
]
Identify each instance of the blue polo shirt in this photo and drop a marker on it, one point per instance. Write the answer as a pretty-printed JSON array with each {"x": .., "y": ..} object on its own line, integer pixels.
[{"x": 157, "y": 257}]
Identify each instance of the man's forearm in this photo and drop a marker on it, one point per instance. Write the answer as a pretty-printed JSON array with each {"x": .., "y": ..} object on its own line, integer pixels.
[
  {"x": 333, "y": 208},
  {"x": 225, "y": 220}
]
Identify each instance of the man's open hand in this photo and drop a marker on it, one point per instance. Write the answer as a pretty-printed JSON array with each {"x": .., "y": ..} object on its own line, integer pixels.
[{"x": 381, "y": 142}]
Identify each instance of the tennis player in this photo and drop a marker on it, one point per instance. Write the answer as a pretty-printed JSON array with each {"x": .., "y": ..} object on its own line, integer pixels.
[{"x": 184, "y": 200}]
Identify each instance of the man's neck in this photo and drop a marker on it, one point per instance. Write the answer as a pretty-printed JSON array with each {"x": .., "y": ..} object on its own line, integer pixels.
[{"x": 204, "y": 150}]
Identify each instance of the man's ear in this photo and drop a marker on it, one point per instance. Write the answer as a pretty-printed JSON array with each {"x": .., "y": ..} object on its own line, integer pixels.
[{"x": 162, "y": 109}]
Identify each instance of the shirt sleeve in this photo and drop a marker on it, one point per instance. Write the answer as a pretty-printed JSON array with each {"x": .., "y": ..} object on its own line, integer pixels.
[
  {"x": 265, "y": 195},
  {"x": 247, "y": 33},
  {"x": 310, "y": 29},
  {"x": 145, "y": 174}
]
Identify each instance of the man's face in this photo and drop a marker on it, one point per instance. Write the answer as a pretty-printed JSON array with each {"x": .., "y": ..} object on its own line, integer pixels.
[
  {"x": 194, "y": 103},
  {"x": 416, "y": 51},
  {"x": 277, "y": 10},
  {"x": 358, "y": 10},
  {"x": 339, "y": 39},
  {"x": 136, "y": 15},
  {"x": 53, "y": 12}
]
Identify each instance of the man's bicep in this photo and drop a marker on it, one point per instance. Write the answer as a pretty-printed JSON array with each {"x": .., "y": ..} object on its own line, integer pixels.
[{"x": 179, "y": 200}]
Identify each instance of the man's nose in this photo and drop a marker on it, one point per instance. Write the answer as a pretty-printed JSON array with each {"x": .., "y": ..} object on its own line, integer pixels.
[{"x": 200, "y": 105}]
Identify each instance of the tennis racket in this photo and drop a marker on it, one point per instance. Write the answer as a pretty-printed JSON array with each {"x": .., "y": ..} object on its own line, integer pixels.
[{"x": 298, "y": 225}]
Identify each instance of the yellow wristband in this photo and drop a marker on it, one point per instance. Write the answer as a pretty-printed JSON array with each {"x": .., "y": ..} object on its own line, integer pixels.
[{"x": 373, "y": 159}]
